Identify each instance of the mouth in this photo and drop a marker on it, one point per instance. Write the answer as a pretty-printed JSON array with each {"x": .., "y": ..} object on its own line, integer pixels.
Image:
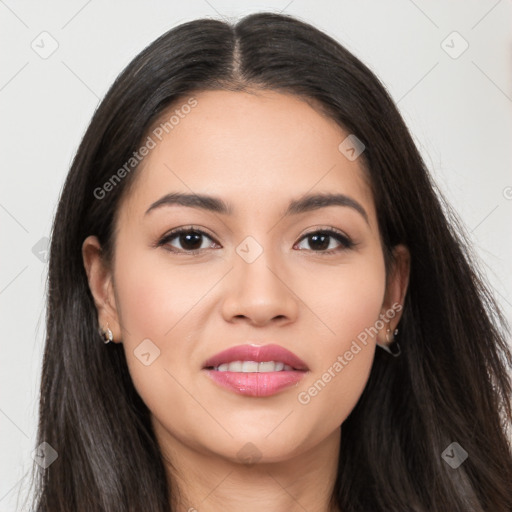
[{"x": 257, "y": 371}]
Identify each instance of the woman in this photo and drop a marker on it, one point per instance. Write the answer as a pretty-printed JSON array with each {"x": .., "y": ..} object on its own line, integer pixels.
[{"x": 290, "y": 321}]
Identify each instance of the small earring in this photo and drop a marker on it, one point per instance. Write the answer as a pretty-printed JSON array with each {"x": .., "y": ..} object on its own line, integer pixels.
[
  {"x": 106, "y": 334},
  {"x": 393, "y": 346}
]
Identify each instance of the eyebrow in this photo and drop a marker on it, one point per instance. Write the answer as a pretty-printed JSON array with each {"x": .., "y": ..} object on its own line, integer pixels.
[{"x": 296, "y": 206}]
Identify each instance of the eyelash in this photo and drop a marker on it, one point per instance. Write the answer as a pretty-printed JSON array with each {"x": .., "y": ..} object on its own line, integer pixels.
[{"x": 345, "y": 241}]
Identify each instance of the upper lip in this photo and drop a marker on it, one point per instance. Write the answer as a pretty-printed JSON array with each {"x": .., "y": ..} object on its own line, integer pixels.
[{"x": 257, "y": 353}]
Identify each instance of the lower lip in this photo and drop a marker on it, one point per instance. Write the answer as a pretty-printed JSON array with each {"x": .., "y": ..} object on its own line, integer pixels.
[{"x": 256, "y": 383}]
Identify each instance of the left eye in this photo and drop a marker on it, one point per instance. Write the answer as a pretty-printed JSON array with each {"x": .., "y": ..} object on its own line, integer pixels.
[{"x": 318, "y": 239}]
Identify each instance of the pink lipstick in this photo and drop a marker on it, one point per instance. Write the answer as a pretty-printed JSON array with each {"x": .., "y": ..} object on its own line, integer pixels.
[{"x": 253, "y": 370}]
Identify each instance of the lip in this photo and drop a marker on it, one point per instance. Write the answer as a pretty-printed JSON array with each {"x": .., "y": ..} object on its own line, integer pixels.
[
  {"x": 257, "y": 353},
  {"x": 256, "y": 384}
]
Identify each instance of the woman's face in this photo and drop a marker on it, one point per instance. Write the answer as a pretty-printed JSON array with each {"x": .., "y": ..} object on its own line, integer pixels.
[{"x": 261, "y": 274}]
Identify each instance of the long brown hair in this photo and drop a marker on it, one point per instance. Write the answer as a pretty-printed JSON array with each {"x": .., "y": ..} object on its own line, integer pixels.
[{"x": 452, "y": 381}]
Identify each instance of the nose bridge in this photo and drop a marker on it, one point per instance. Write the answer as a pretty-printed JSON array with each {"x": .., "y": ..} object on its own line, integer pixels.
[
  {"x": 257, "y": 288},
  {"x": 257, "y": 266}
]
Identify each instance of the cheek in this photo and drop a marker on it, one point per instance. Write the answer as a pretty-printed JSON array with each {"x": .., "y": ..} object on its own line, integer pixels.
[
  {"x": 349, "y": 302},
  {"x": 156, "y": 295},
  {"x": 356, "y": 302},
  {"x": 159, "y": 301},
  {"x": 153, "y": 303},
  {"x": 346, "y": 298}
]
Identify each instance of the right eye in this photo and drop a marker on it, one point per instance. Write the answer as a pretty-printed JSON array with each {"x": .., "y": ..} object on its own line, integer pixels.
[{"x": 190, "y": 238}]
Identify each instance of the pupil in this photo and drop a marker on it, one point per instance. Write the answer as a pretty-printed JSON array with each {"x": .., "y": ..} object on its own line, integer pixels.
[
  {"x": 322, "y": 245},
  {"x": 185, "y": 240}
]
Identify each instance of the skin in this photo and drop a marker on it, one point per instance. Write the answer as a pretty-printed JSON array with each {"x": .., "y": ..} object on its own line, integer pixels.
[{"x": 256, "y": 151}]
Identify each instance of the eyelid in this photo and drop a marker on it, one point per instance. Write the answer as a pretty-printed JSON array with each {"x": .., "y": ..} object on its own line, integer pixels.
[
  {"x": 322, "y": 229},
  {"x": 186, "y": 229}
]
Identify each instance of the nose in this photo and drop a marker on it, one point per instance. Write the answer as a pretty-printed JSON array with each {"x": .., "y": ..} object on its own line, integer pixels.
[{"x": 259, "y": 293}]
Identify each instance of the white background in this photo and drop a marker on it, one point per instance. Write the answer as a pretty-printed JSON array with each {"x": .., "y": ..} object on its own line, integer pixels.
[{"x": 459, "y": 111}]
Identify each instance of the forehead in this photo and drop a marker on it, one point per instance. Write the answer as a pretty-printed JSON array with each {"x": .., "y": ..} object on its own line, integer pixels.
[{"x": 255, "y": 150}]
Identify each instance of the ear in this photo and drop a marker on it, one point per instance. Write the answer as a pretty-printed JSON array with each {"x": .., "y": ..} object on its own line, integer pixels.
[
  {"x": 396, "y": 288},
  {"x": 101, "y": 285}
]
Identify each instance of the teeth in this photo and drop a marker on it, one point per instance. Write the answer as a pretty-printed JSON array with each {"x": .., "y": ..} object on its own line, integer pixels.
[
  {"x": 249, "y": 366},
  {"x": 269, "y": 366},
  {"x": 253, "y": 366},
  {"x": 235, "y": 366}
]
